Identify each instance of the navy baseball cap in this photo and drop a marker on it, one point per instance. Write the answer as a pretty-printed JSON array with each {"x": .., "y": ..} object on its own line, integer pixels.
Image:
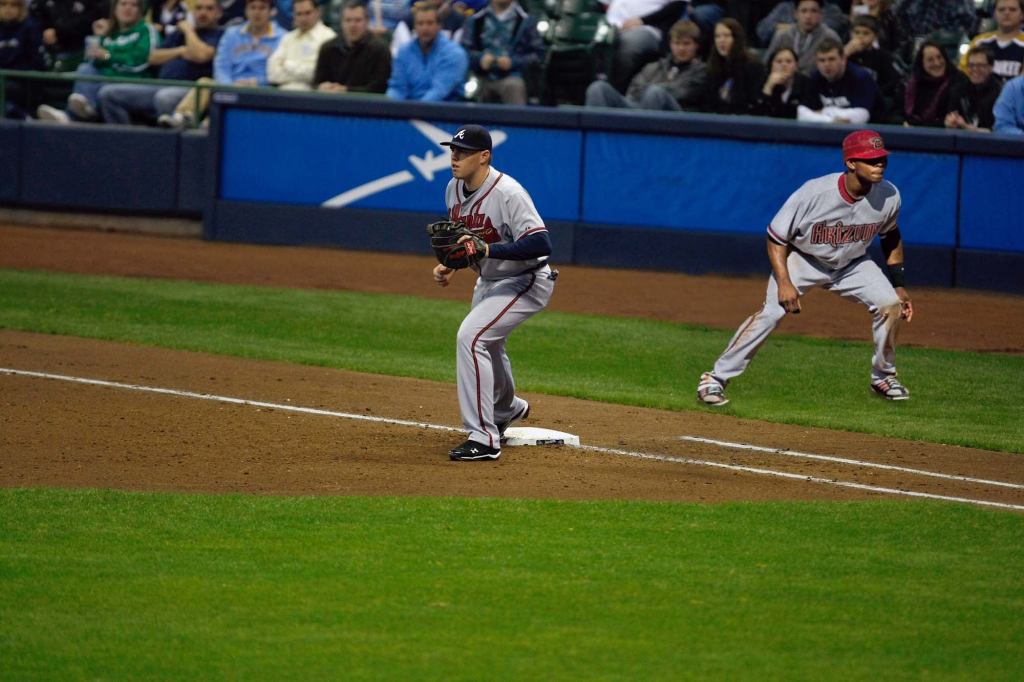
[{"x": 472, "y": 137}]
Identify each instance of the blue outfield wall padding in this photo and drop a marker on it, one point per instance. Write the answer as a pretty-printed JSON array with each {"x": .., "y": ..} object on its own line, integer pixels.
[
  {"x": 717, "y": 185},
  {"x": 350, "y": 228},
  {"x": 193, "y": 184},
  {"x": 390, "y": 164},
  {"x": 991, "y": 217},
  {"x": 670, "y": 250},
  {"x": 112, "y": 167},
  {"x": 10, "y": 160},
  {"x": 992, "y": 270}
]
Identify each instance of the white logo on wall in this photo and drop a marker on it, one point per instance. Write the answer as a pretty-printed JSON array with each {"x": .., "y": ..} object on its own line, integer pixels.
[{"x": 427, "y": 165}]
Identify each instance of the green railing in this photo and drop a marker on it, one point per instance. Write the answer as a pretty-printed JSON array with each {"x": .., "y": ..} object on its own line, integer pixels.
[{"x": 71, "y": 77}]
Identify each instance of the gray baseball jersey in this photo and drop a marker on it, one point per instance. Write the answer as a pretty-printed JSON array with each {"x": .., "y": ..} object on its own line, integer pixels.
[
  {"x": 507, "y": 293},
  {"x": 500, "y": 211},
  {"x": 829, "y": 232},
  {"x": 821, "y": 220}
]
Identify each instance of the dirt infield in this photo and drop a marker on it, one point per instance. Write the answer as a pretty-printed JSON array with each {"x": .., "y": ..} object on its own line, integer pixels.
[{"x": 55, "y": 432}]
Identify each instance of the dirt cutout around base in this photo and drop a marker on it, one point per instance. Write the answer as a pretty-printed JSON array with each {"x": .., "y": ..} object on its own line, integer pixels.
[{"x": 68, "y": 434}]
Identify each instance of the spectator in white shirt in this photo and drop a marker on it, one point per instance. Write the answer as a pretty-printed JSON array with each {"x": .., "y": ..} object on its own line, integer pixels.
[{"x": 293, "y": 63}]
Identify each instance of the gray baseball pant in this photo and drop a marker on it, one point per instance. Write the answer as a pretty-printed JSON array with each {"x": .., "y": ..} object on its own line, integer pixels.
[
  {"x": 861, "y": 280},
  {"x": 486, "y": 387}
]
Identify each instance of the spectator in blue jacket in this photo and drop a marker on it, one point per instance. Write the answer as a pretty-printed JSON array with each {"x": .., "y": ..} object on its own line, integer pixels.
[
  {"x": 241, "y": 59},
  {"x": 21, "y": 48},
  {"x": 1009, "y": 109},
  {"x": 430, "y": 68},
  {"x": 502, "y": 42}
]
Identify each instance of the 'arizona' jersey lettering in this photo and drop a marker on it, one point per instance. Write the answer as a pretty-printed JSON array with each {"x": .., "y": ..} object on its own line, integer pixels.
[{"x": 822, "y": 220}]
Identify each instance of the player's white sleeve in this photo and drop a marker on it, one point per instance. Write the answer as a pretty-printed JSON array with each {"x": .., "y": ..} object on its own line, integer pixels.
[
  {"x": 892, "y": 221},
  {"x": 523, "y": 218},
  {"x": 780, "y": 229}
]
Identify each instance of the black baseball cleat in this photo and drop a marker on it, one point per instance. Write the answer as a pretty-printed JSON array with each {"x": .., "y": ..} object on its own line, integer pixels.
[
  {"x": 521, "y": 414},
  {"x": 471, "y": 451}
]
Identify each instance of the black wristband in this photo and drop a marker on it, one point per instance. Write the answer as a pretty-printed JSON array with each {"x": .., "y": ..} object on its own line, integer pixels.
[{"x": 896, "y": 274}]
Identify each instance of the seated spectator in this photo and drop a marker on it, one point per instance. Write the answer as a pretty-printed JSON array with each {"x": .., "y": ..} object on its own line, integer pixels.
[
  {"x": 166, "y": 16},
  {"x": 674, "y": 83},
  {"x": 927, "y": 98},
  {"x": 502, "y": 43},
  {"x": 451, "y": 23},
  {"x": 1009, "y": 108},
  {"x": 355, "y": 61},
  {"x": 782, "y": 17},
  {"x": 240, "y": 60},
  {"x": 971, "y": 101},
  {"x": 784, "y": 87},
  {"x": 186, "y": 56},
  {"x": 890, "y": 33},
  {"x": 921, "y": 17},
  {"x": 430, "y": 68},
  {"x": 1006, "y": 43},
  {"x": 840, "y": 92},
  {"x": 734, "y": 76},
  {"x": 641, "y": 25},
  {"x": 293, "y": 63},
  {"x": 124, "y": 43},
  {"x": 385, "y": 15},
  {"x": 21, "y": 49},
  {"x": 863, "y": 50},
  {"x": 65, "y": 26},
  {"x": 805, "y": 35}
]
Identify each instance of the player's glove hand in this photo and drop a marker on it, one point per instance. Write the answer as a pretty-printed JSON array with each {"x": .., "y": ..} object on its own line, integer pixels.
[{"x": 455, "y": 245}]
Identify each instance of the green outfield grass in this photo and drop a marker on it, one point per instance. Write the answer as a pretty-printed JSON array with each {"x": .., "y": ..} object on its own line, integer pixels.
[
  {"x": 959, "y": 398},
  {"x": 110, "y": 585}
]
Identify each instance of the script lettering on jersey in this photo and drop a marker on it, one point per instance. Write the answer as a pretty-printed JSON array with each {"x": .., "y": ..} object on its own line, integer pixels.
[
  {"x": 839, "y": 234},
  {"x": 479, "y": 223}
]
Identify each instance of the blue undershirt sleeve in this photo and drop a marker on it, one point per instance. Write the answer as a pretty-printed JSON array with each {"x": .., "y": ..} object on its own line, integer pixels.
[{"x": 536, "y": 245}]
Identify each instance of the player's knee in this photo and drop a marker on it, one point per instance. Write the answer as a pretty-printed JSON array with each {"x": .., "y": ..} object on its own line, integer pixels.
[{"x": 889, "y": 308}]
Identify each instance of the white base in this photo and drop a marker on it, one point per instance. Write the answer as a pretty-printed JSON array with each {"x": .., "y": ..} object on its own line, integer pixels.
[{"x": 530, "y": 435}]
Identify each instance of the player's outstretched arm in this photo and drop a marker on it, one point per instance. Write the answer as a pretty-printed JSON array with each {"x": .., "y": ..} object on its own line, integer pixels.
[{"x": 789, "y": 297}]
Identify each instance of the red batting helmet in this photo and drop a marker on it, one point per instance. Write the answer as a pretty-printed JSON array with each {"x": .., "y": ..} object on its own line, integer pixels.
[{"x": 864, "y": 144}]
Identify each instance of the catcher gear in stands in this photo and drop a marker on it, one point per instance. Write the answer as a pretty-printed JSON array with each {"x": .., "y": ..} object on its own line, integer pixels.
[{"x": 455, "y": 245}]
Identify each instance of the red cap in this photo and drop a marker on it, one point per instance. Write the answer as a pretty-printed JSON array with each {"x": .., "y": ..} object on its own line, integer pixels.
[{"x": 864, "y": 144}]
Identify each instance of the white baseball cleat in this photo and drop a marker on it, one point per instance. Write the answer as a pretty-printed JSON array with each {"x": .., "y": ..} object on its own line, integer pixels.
[
  {"x": 890, "y": 388},
  {"x": 711, "y": 391}
]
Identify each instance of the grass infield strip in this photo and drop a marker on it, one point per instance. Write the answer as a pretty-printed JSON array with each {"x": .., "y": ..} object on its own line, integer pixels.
[
  {"x": 958, "y": 398},
  {"x": 128, "y": 585}
]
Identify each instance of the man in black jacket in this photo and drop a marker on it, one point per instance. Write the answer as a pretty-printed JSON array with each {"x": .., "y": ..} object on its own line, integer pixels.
[{"x": 355, "y": 61}]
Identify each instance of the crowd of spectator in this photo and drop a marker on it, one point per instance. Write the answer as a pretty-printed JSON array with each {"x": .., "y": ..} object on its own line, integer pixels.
[{"x": 941, "y": 63}]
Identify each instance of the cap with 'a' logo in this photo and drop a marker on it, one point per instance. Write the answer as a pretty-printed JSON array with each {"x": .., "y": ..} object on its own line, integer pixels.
[
  {"x": 472, "y": 137},
  {"x": 864, "y": 144}
]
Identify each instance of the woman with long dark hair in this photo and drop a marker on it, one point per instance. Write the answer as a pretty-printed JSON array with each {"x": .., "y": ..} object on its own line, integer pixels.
[
  {"x": 734, "y": 75},
  {"x": 927, "y": 97},
  {"x": 784, "y": 86}
]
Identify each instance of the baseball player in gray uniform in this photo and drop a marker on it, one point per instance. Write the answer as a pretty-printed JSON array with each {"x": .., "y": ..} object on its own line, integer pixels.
[
  {"x": 515, "y": 282},
  {"x": 819, "y": 239}
]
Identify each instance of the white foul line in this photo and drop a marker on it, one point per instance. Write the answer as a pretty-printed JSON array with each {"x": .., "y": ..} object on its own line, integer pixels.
[
  {"x": 438, "y": 427},
  {"x": 800, "y": 477},
  {"x": 843, "y": 460},
  {"x": 225, "y": 399}
]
